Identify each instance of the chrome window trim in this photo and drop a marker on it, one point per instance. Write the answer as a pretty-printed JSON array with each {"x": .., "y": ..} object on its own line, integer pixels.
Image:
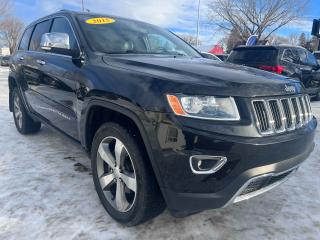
[{"x": 33, "y": 25}]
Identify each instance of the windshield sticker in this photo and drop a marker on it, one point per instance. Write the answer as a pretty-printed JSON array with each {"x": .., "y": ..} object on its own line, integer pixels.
[{"x": 100, "y": 20}]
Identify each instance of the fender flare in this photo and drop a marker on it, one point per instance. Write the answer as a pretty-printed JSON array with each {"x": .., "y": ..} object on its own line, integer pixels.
[{"x": 131, "y": 115}]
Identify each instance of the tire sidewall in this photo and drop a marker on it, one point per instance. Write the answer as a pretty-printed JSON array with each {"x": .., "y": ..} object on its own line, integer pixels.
[
  {"x": 14, "y": 94},
  {"x": 111, "y": 130}
]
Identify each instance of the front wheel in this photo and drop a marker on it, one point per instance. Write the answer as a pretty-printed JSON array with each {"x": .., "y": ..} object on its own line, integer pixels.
[
  {"x": 123, "y": 177},
  {"x": 24, "y": 123}
]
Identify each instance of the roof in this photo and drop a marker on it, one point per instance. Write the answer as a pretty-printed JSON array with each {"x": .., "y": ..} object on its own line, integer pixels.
[
  {"x": 269, "y": 46},
  {"x": 77, "y": 13}
]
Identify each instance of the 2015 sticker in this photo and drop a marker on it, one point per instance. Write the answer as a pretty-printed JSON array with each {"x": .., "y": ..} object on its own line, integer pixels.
[{"x": 103, "y": 20}]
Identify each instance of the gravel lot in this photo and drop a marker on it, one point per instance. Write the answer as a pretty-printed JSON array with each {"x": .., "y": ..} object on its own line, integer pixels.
[{"x": 46, "y": 192}]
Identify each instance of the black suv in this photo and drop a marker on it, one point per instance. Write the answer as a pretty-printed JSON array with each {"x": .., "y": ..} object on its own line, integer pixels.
[
  {"x": 292, "y": 61},
  {"x": 163, "y": 126}
]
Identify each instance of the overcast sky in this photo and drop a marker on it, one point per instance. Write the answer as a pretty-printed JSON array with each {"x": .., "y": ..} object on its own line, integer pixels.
[{"x": 176, "y": 15}]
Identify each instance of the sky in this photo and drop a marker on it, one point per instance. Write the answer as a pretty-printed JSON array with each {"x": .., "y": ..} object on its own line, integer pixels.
[{"x": 179, "y": 16}]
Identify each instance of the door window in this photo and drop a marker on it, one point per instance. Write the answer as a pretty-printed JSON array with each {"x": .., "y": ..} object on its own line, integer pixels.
[
  {"x": 290, "y": 56},
  {"x": 312, "y": 61},
  {"x": 24, "y": 43},
  {"x": 303, "y": 57},
  {"x": 62, "y": 25},
  {"x": 40, "y": 29}
]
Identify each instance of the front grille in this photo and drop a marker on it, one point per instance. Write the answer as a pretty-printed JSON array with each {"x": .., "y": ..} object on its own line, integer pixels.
[{"x": 282, "y": 114}]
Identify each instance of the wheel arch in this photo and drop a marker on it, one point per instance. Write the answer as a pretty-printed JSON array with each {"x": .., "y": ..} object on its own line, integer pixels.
[{"x": 120, "y": 115}]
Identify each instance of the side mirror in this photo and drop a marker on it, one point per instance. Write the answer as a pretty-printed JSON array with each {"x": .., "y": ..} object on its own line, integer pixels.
[{"x": 57, "y": 42}]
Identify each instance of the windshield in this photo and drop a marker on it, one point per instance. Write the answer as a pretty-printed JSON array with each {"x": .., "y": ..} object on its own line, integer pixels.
[{"x": 122, "y": 36}]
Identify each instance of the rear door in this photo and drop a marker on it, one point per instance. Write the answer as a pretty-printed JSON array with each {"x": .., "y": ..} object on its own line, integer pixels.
[
  {"x": 19, "y": 59},
  {"x": 291, "y": 61},
  {"x": 305, "y": 67},
  {"x": 31, "y": 67}
]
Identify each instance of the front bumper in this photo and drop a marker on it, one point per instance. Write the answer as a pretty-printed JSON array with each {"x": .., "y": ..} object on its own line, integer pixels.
[{"x": 248, "y": 159}]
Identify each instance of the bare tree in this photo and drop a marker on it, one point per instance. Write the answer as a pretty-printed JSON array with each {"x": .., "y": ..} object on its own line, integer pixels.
[
  {"x": 192, "y": 40},
  {"x": 255, "y": 17},
  {"x": 5, "y": 8},
  {"x": 277, "y": 40},
  {"x": 293, "y": 39},
  {"x": 11, "y": 27},
  {"x": 303, "y": 40},
  {"x": 234, "y": 40}
]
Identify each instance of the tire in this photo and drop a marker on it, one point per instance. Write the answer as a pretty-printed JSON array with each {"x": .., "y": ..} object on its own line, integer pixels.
[
  {"x": 138, "y": 206},
  {"x": 24, "y": 123}
]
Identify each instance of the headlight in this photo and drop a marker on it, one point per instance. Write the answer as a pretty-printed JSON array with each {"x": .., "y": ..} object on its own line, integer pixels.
[{"x": 205, "y": 107}]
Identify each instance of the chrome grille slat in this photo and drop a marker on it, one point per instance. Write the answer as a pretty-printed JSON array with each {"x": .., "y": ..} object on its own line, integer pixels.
[
  {"x": 278, "y": 115},
  {"x": 308, "y": 104},
  {"x": 303, "y": 109}
]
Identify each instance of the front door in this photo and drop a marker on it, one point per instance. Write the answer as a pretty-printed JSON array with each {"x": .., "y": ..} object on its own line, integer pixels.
[{"x": 52, "y": 79}]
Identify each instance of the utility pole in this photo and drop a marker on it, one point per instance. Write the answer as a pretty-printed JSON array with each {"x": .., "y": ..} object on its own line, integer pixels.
[
  {"x": 82, "y": 4},
  {"x": 198, "y": 23}
]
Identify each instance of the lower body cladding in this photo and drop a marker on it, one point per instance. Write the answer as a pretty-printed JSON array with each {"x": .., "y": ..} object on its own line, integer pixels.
[{"x": 200, "y": 170}]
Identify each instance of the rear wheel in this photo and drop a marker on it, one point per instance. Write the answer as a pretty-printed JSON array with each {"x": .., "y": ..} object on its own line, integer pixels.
[
  {"x": 24, "y": 123},
  {"x": 123, "y": 178}
]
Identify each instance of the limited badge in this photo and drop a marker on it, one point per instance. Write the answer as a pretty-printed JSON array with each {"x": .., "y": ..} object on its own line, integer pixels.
[{"x": 103, "y": 20}]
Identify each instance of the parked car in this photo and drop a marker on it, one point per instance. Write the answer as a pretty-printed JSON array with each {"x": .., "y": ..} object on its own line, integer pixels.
[
  {"x": 5, "y": 61},
  {"x": 163, "y": 125},
  {"x": 210, "y": 56},
  {"x": 317, "y": 56},
  {"x": 292, "y": 61}
]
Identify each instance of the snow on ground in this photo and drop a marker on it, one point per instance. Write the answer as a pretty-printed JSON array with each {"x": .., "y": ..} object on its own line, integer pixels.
[{"x": 46, "y": 192}]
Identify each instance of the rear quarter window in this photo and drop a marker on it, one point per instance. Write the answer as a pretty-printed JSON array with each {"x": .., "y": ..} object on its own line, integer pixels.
[{"x": 253, "y": 56}]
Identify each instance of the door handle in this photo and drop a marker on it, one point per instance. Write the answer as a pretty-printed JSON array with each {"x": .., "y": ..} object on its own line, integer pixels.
[{"x": 41, "y": 62}]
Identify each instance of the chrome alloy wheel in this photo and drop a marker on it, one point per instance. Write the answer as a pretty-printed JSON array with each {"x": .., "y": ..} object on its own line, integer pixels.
[
  {"x": 17, "y": 110},
  {"x": 116, "y": 174}
]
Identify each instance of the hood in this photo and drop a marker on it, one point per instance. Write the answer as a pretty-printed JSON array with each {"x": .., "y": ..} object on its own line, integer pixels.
[{"x": 218, "y": 78}]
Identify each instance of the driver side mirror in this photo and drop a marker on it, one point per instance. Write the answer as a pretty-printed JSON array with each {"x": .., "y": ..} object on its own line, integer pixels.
[{"x": 59, "y": 43}]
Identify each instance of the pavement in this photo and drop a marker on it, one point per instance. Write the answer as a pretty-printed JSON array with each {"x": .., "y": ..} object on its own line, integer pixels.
[{"x": 46, "y": 192}]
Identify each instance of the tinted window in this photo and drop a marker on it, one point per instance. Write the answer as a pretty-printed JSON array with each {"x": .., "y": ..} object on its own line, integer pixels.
[
  {"x": 303, "y": 56},
  {"x": 290, "y": 56},
  {"x": 24, "y": 43},
  {"x": 317, "y": 55},
  {"x": 62, "y": 25},
  {"x": 40, "y": 29},
  {"x": 311, "y": 59},
  {"x": 253, "y": 56}
]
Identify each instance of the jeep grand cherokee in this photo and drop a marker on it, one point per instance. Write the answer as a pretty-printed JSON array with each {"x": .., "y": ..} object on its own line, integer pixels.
[{"x": 164, "y": 127}]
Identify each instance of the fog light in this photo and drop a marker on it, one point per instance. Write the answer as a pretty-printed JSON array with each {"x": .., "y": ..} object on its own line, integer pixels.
[{"x": 203, "y": 164}]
